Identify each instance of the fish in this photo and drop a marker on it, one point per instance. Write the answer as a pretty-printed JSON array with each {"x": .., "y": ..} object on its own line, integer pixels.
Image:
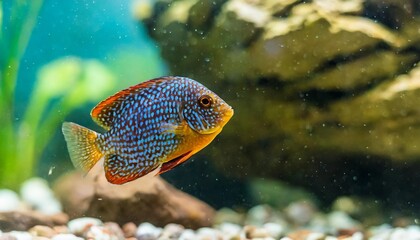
[{"x": 159, "y": 123}]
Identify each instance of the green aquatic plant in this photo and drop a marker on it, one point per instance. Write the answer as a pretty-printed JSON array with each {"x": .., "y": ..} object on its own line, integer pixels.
[
  {"x": 60, "y": 87},
  {"x": 15, "y": 32}
]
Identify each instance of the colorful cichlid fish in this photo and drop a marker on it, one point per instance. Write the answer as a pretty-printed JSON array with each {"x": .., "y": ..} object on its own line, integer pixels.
[{"x": 158, "y": 123}]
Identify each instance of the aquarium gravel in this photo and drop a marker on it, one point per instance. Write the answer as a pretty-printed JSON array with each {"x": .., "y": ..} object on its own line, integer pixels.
[{"x": 300, "y": 220}]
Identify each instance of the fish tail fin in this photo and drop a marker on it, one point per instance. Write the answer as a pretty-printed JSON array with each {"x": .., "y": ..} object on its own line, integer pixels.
[{"x": 82, "y": 145}]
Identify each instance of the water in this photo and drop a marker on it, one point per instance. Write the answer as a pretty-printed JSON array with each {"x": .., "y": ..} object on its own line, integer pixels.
[{"x": 325, "y": 95}]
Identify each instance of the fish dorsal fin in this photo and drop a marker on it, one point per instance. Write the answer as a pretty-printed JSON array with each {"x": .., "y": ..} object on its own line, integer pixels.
[{"x": 103, "y": 115}]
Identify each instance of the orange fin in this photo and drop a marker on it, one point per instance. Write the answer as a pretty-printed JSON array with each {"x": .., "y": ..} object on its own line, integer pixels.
[
  {"x": 81, "y": 143},
  {"x": 119, "y": 171},
  {"x": 102, "y": 113},
  {"x": 174, "y": 162}
]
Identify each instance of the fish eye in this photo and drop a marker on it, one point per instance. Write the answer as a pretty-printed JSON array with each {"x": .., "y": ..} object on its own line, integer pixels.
[{"x": 205, "y": 101}]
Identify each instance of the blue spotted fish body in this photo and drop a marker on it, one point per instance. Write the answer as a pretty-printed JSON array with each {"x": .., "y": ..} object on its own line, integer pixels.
[{"x": 159, "y": 123}]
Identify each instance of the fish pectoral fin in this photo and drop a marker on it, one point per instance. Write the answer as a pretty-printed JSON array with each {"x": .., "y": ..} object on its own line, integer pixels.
[
  {"x": 174, "y": 162},
  {"x": 178, "y": 129},
  {"x": 119, "y": 170}
]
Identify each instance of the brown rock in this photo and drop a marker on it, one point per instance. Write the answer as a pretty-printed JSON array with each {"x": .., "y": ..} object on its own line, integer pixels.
[
  {"x": 149, "y": 199},
  {"x": 317, "y": 86},
  {"x": 24, "y": 220},
  {"x": 129, "y": 229}
]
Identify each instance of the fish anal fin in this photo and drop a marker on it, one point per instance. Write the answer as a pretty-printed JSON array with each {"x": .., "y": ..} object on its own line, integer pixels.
[
  {"x": 119, "y": 171},
  {"x": 102, "y": 113},
  {"x": 174, "y": 162}
]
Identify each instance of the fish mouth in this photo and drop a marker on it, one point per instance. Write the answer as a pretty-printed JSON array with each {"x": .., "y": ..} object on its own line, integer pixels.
[{"x": 227, "y": 115}]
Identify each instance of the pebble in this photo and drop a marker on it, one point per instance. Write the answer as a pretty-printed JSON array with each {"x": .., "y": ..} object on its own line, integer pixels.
[
  {"x": 7, "y": 237},
  {"x": 79, "y": 226},
  {"x": 340, "y": 220},
  {"x": 39, "y": 195},
  {"x": 207, "y": 233},
  {"x": 188, "y": 234},
  {"x": 147, "y": 231},
  {"x": 230, "y": 230},
  {"x": 129, "y": 229},
  {"x": 19, "y": 235},
  {"x": 261, "y": 214},
  {"x": 42, "y": 231},
  {"x": 101, "y": 233},
  {"x": 300, "y": 212},
  {"x": 172, "y": 231},
  {"x": 9, "y": 200},
  {"x": 252, "y": 232},
  {"x": 115, "y": 229},
  {"x": 275, "y": 230},
  {"x": 228, "y": 215},
  {"x": 66, "y": 236}
]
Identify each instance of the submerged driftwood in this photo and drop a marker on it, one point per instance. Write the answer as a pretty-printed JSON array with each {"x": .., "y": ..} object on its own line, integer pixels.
[{"x": 326, "y": 93}]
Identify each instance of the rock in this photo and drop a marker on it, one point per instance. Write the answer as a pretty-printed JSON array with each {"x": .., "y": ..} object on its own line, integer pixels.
[
  {"x": 172, "y": 231},
  {"x": 277, "y": 193},
  {"x": 261, "y": 214},
  {"x": 147, "y": 231},
  {"x": 24, "y": 220},
  {"x": 80, "y": 226},
  {"x": 101, "y": 233},
  {"x": 275, "y": 230},
  {"x": 114, "y": 229},
  {"x": 129, "y": 229},
  {"x": 9, "y": 200},
  {"x": 252, "y": 232},
  {"x": 228, "y": 215},
  {"x": 7, "y": 236},
  {"x": 63, "y": 236},
  {"x": 297, "y": 74},
  {"x": 149, "y": 199},
  {"x": 230, "y": 230},
  {"x": 208, "y": 233},
  {"x": 39, "y": 196},
  {"x": 20, "y": 235},
  {"x": 340, "y": 220},
  {"x": 42, "y": 231},
  {"x": 300, "y": 212},
  {"x": 188, "y": 234}
]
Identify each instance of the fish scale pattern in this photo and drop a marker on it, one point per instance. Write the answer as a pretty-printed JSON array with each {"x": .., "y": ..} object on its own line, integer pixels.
[
  {"x": 144, "y": 127},
  {"x": 160, "y": 122}
]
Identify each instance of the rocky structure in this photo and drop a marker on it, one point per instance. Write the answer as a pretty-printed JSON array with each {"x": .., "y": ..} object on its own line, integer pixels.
[
  {"x": 149, "y": 199},
  {"x": 326, "y": 93}
]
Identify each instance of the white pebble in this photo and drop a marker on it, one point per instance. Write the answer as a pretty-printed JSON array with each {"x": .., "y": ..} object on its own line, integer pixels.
[
  {"x": 315, "y": 236},
  {"x": 100, "y": 233},
  {"x": 330, "y": 238},
  {"x": 275, "y": 230},
  {"x": 20, "y": 235},
  {"x": 79, "y": 225},
  {"x": 258, "y": 215},
  {"x": 357, "y": 236},
  {"x": 188, "y": 234},
  {"x": 9, "y": 200},
  {"x": 230, "y": 229},
  {"x": 208, "y": 233},
  {"x": 172, "y": 231},
  {"x": 65, "y": 236},
  {"x": 340, "y": 220},
  {"x": 38, "y": 194},
  {"x": 146, "y": 230}
]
